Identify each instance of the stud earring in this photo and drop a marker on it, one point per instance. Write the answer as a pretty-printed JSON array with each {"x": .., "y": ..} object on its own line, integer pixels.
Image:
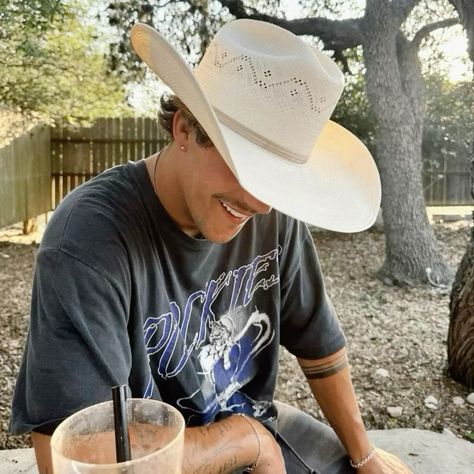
[{"x": 182, "y": 148}]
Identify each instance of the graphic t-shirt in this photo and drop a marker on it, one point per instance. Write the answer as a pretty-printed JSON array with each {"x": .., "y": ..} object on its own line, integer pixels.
[{"x": 122, "y": 296}]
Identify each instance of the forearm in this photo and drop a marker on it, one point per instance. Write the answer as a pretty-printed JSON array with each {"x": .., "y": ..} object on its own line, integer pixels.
[
  {"x": 221, "y": 447},
  {"x": 335, "y": 395},
  {"x": 330, "y": 382},
  {"x": 41, "y": 443}
]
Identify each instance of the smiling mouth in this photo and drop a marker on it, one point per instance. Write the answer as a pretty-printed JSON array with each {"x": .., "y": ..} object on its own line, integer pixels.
[{"x": 233, "y": 212}]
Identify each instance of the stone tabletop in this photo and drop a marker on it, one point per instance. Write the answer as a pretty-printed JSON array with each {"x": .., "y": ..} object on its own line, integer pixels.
[{"x": 425, "y": 452}]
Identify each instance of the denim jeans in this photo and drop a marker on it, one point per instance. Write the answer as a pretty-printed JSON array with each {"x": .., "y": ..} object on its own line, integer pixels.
[{"x": 309, "y": 446}]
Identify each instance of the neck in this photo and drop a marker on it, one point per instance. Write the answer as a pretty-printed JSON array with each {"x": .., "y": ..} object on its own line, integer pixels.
[{"x": 163, "y": 170}]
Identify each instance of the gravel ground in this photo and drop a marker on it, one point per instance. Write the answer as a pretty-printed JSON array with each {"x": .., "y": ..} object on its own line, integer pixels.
[{"x": 400, "y": 330}]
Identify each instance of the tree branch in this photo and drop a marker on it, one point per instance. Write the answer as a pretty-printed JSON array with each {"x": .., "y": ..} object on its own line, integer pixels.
[
  {"x": 465, "y": 9},
  {"x": 401, "y": 9},
  {"x": 428, "y": 29},
  {"x": 336, "y": 35}
]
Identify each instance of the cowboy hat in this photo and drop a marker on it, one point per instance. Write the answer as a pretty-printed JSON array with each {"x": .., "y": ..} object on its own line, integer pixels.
[{"x": 264, "y": 98}]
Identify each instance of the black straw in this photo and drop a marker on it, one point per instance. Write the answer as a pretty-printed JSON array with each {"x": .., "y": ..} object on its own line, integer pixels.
[{"x": 122, "y": 437}]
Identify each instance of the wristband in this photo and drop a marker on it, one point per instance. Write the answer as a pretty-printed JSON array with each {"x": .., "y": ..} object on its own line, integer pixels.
[
  {"x": 363, "y": 461},
  {"x": 257, "y": 461}
]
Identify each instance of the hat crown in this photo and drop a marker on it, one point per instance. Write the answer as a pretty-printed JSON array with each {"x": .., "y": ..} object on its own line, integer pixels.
[{"x": 269, "y": 86}]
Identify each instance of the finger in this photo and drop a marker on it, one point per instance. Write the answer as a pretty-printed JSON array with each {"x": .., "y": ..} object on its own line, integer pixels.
[{"x": 392, "y": 461}]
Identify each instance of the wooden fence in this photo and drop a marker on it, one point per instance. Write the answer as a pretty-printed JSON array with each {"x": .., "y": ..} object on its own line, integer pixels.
[
  {"x": 39, "y": 168},
  {"x": 81, "y": 153},
  {"x": 25, "y": 176},
  {"x": 450, "y": 185}
]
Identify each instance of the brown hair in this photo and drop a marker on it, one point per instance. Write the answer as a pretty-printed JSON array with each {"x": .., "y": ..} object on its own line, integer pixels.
[{"x": 169, "y": 105}]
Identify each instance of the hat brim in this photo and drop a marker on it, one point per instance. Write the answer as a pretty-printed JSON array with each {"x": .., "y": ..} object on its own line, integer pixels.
[{"x": 338, "y": 188}]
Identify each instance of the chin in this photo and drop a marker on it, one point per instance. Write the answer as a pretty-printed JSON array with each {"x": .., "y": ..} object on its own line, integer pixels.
[{"x": 220, "y": 237}]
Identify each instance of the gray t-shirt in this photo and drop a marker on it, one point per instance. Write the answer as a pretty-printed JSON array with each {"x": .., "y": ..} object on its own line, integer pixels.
[{"x": 122, "y": 296}]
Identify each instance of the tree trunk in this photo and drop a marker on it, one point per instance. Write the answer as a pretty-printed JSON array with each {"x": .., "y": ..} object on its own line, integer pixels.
[
  {"x": 461, "y": 306},
  {"x": 461, "y": 322},
  {"x": 394, "y": 88},
  {"x": 461, "y": 313}
]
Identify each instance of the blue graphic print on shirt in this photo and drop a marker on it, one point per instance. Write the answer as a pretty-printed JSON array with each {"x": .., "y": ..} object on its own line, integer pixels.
[{"x": 223, "y": 346}]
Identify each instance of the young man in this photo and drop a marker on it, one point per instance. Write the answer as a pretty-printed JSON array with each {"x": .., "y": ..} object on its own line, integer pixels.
[{"x": 174, "y": 275}]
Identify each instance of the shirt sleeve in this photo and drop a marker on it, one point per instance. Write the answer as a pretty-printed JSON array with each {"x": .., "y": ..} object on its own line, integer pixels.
[
  {"x": 309, "y": 325},
  {"x": 77, "y": 347}
]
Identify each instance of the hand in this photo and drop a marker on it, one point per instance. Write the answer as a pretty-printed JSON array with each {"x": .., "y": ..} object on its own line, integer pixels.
[
  {"x": 271, "y": 458},
  {"x": 384, "y": 463}
]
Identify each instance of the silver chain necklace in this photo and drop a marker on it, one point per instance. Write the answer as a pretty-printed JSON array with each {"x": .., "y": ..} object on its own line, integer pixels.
[{"x": 154, "y": 171}]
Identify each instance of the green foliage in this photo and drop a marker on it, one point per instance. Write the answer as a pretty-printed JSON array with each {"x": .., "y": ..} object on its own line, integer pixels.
[
  {"x": 449, "y": 108},
  {"x": 187, "y": 24},
  {"x": 448, "y": 132},
  {"x": 353, "y": 109},
  {"x": 50, "y": 64}
]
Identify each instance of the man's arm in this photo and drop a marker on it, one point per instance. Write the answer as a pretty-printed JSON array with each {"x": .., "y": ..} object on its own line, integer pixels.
[
  {"x": 220, "y": 447},
  {"x": 41, "y": 443},
  {"x": 231, "y": 444},
  {"x": 331, "y": 384}
]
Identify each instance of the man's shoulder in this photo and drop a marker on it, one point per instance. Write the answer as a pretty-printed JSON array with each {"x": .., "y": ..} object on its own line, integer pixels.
[{"x": 97, "y": 207}]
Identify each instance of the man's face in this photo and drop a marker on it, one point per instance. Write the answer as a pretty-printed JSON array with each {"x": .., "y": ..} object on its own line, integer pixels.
[{"x": 215, "y": 203}]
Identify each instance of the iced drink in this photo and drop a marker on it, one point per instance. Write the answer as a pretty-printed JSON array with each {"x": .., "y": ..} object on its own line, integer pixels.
[{"x": 84, "y": 443}]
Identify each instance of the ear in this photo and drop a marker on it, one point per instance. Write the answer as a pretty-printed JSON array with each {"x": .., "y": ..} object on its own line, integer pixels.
[{"x": 181, "y": 130}]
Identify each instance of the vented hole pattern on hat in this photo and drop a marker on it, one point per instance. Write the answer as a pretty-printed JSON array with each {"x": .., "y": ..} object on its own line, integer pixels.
[
  {"x": 266, "y": 74},
  {"x": 278, "y": 98}
]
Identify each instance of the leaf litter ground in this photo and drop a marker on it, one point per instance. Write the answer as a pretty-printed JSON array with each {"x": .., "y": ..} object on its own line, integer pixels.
[{"x": 401, "y": 330}]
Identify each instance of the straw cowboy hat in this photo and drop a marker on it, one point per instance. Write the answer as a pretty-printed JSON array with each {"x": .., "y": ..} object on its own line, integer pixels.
[{"x": 264, "y": 97}]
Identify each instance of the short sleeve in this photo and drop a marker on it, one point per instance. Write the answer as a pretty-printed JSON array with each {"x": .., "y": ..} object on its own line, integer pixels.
[
  {"x": 309, "y": 325},
  {"x": 77, "y": 347}
]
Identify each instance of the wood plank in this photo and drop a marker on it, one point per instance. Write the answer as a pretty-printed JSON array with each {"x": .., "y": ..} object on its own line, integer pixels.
[
  {"x": 77, "y": 156},
  {"x": 7, "y": 186},
  {"x": 29, "y": 179},
  {"x": 140, "y": 146},
  {"x": 158, "y": 135},
  {"x": 45, "y": 166},
  {"x": 99, "y": 147},
  {"x": 56, "y": 164},
  {"x": 111, "y": 133},
  {"x": 20, "y": 151},
  {"x": 445, "y": 182},
  {"x": 39, "y": 182},
  {"x": 147, "y": 138},
  {"x": 128, "y": 132},
  {"x": 115, "y": 136}
]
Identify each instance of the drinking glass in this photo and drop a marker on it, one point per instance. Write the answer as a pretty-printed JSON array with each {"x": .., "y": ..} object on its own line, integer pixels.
[{"x": 84, "y": 443}]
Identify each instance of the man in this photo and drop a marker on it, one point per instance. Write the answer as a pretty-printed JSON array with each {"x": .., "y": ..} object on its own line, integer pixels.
[{"x": 174, "y": 275}]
